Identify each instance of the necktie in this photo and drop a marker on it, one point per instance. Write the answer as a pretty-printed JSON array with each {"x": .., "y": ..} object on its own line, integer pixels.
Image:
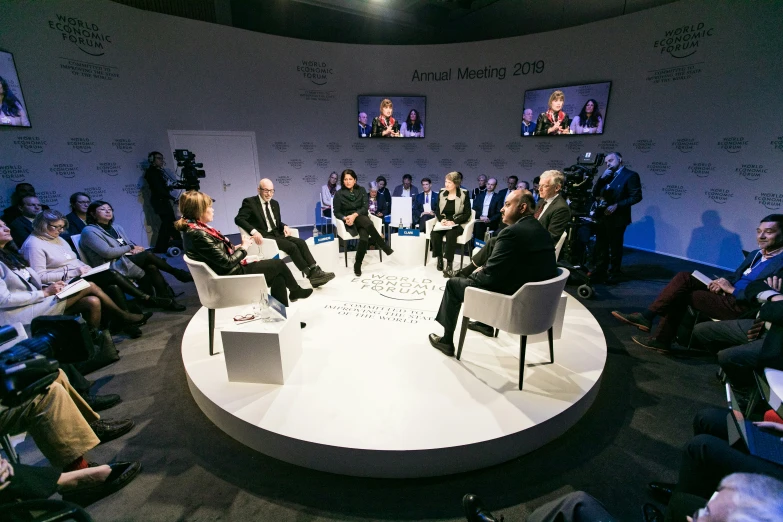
[
  {"x": 539, "y": 210},
  {"x": 269, "y": 219},
  {"x": 426, "y": 198}
]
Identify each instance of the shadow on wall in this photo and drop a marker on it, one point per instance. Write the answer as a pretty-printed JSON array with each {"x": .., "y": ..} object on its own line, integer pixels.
[
  {"x": 655, "y": 234},
  {"x": 713, "y": 244}
]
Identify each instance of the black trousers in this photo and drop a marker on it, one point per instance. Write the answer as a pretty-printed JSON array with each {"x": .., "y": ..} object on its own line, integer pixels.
[
  {"x": 483, "y": 254},
  {"x": 608, "y": 246},
  {"x": 573, "y": 507},
  {"x": 278, "y": 277},
  {"x": 480, "y": 229},
  {"x": 423, "y": 221},
  {"x": 166, "y": 215},
  {"x": 708, "y": 458},
  {"x": 737, "y": 356},
  {"x": 297, "y": 249},
  {"x": 436, "y": 238},
  {"x": 367, "y": 232},
  {"x": 450, "y": 304}
]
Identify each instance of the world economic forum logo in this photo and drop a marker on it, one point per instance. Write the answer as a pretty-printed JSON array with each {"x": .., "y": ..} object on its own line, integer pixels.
[
  {"x": 87, "y": 36},
  {"x": 317, "y": 71},
  {"x": 684, "y": 40}
]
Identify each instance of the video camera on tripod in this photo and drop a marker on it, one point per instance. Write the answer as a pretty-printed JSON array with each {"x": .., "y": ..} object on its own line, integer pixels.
[
  {"x": 190, "y": 174},
  {"x": 30, "y": 366},
  {"x": 578, "y": 188}
]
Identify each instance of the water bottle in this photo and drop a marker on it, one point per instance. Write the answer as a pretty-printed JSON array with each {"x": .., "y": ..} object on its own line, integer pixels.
[
  {"x": 315, "y": 231},
  {"x": 401, "y": 225}
]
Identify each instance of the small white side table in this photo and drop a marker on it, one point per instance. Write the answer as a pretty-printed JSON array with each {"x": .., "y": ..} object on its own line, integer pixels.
[
  {"x": 326, "y": 254},
  {"x": 261, "y": 352},
  {"x": 408, "y": 250}
]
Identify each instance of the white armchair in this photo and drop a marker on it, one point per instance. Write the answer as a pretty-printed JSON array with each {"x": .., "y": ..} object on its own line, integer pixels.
[
  {"x": 216, "y": 291},
  {"x": 75, "y": 238},
  {"x": 529, "y": 311},
  {"x": 268, "y": 248},
  {"x": 559, "y": 245},
  {"x": 465, "y": 238},
  {"x": 341, "y": 232}
]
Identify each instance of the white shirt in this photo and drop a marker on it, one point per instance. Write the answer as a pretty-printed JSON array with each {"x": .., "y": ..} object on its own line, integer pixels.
[
  {"x": 427, "y": 202},
  {"x": 406, "y": 192},
  {"x": 546, "y": 205},
  {"x": 487, "y": 201}
]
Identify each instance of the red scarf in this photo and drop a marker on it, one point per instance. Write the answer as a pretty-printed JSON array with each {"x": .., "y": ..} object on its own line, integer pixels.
[
  {"x": 195, "y": 224},
  {"x": 550, "y": 115},
  {"x": 385, "y": 123}
]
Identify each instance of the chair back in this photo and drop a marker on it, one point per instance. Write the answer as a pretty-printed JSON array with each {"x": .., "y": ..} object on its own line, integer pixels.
[
  {"x": 534, "y": 306},
  {"x": 216, "y": 291},
  {"x": 467, "y": 229},
  {"x": 559, "y": 245},
  {"x": 75, "y": 238},
  {"x": 340, "y": 230}
]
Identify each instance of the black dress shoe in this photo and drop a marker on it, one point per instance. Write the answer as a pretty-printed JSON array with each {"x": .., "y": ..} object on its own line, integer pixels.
[
  {"x": 446, "y": 348},
  {"x": 357, "y": 269},
  {"x": 107, "y": 429},
  {"x": 121, "y": 475},
  {"x": 474, "y": 510},
  {"x": 302, "y": 325},
  {"x": 166, "y": 303},
  {"x": 440, "y": 264},
  {"x": 299, "y": 293},
  {"x": 663, "y": 490},
  {"x": 651, "y": 513},
  {"x": 101, "y": 402},
  {"x": 182, "y": 275},
  {"x": 134, "y": 332},
  {"x": 481, "y": 328}
]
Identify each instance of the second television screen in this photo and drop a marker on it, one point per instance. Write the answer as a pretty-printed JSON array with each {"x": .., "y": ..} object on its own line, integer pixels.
[
  {"x": 392, "y": 116},
  {"x": 573, "y": 109}
]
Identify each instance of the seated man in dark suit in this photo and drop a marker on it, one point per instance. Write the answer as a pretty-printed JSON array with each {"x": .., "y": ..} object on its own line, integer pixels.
[
  {"x": 423, "y": 204},
  {"x": 22, "y": 227},
  {"x": 523, "y": 253},
  {"x": 552, "y": 212},
  {"x": 487, "y": 206},
  {"x": 259, "y": 216},
  {"x": 724, "y": 298},
  {"x": 21, "y": 191},
  {"x": 406, "y": 189}
]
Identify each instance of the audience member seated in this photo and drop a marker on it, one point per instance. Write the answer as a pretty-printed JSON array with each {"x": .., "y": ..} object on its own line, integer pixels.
[
  {"x": 424, "y": 204},
  {"x": 22, "y": 226},
  {"x": 54, "y": 260},
  {"x": 77, "y": 218},
  {"x": 21, "y": 191},
  {"x": 382, "y": 190},
  {"x": 102, "y": 241},
  {"x": 376, "y": 205},
  {"x": 534, "y": 190},
  {"x": 511, "y": 186},
  {"x": 487, "y": 206},
  {"x": 552, "y": 212},
  {"x": 19, "y": 482},
  {"x": 722, "y": 299},
  {"x": 350, "y": 206},
  {"x": 482, "y": 186},
  {"x": 327, "y": 194},
  {"x": 260, "y": 217},
  {"x": 22, "y": 297},
  {"x": 62, "y": 424},
  {"x": 523, "y": 185},
  {"x": 207, "y": 245},
  {"x": 406, "y": 189},
  {"x": 452, "y": 210},
  {"x": 524, "y": 253}
]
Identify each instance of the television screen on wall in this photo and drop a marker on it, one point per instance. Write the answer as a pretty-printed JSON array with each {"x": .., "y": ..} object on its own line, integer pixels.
[
  {"x": 13, "y": 111},
  {"x": 392, "y": 116},
  {"x": 566, "y": 110}
]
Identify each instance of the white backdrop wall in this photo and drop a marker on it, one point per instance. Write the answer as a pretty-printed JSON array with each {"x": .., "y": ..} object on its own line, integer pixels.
[{"x": 701, "y": 123}]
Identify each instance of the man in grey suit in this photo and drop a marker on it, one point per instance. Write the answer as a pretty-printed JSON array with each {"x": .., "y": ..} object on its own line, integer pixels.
[{"x": 523, "y": 253}]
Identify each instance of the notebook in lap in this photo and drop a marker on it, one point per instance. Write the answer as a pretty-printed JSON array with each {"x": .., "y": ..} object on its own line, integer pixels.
[{"x": 760, "y": 443}]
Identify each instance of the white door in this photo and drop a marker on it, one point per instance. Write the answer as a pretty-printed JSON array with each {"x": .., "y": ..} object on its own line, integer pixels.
[{"x": 231, "y": 162}]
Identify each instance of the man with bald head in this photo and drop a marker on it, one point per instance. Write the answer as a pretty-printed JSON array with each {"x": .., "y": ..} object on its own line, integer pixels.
[
  {"x": 260, "y": 217},
  {"x": 524, "y": 252}
]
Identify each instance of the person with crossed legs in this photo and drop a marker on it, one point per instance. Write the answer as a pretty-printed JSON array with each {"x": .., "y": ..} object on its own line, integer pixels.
[{"x": 260, "y": 217}]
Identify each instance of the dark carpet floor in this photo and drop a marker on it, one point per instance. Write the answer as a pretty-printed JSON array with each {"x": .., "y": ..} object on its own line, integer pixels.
[{"x": 634, "y": 433}]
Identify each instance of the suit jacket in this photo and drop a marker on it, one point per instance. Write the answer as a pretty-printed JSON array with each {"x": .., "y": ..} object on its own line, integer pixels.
[
  {"x": 773, "y": 267},
  {"x": 625, "y": 189},
  {"x": 398, "y": 191},
  {"x": 476, "y": 191},
  {"x": 252, "y": 216},
  {"x": 200, "y": 246},
  {"x": 494, "y": 208},
  {"x": 502, "y": 194},
  {"x": 524, "y": 252},
  {"x": 556, "y": 217},
  {"x": 21, "y": 228},
  {"x": 75, "y": 224},
  {"x": 418, "y": 205},
  {"x": 771, "y": 355}
]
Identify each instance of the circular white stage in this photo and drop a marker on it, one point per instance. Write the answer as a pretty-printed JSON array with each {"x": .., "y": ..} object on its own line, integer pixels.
[{"x": 370, "y": 397}]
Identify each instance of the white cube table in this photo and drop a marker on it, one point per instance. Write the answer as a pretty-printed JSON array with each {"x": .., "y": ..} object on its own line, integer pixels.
[
  {"x": 408, "y": 250},
  {"x": 325, "y": 253},
  {"x": 262, "y": 352}
]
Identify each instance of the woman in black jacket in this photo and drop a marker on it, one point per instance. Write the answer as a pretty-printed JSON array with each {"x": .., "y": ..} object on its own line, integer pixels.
[
  {"x": 206, "y": 244},
  {"x": 350, "y": 206},
  {"x": 452, "y": 210}
]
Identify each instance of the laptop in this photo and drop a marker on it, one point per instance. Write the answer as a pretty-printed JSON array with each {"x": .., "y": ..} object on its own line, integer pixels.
[{"x": 759, "y": 443}]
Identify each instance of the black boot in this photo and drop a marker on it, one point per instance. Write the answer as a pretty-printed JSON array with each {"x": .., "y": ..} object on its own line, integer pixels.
[
  {"x": 182, "y": 275},
  {"x": 440, "y": 264},
  {"x": 299, "y": 293},
  {"x": 360, "y": 252},
  {"x": 166, "y": 303},
  {"x": 449, "y": 272}
]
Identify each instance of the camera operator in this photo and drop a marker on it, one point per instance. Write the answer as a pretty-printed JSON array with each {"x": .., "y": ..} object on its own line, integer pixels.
[
  {"x": 615, "y": 191},
  {"x": 161, "y": 200}
]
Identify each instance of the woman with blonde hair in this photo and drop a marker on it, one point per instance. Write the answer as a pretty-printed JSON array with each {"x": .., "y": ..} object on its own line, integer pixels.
[
  {"x": 206, "y": 244},
  {"x": 452, "y": 210}
]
